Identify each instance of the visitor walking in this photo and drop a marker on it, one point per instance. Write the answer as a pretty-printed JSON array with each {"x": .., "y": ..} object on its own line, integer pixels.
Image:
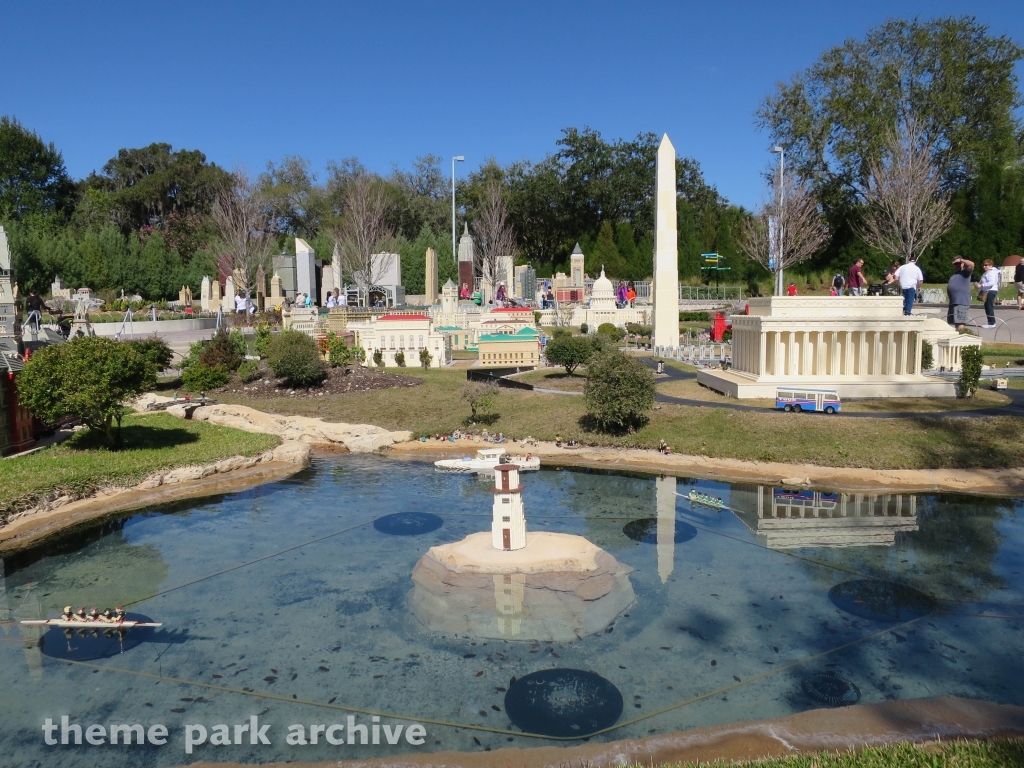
[
  {"x": 34, "y": 307},
  {"x": 838, "y": 284},
  {"x": 910, "y": 278},
  {"x": 988, "y": 291},
  {"x": 501, "y": 293},
  {"x": 855, "y": 278},
  {"x": 959, "y": 291},
  {"x": 1018, "y": 281}
]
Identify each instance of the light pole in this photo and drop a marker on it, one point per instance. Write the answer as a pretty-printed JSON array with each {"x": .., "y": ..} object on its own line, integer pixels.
[
  {"x": 781, "y": 219},
  {"x": 456, "y": 158}
]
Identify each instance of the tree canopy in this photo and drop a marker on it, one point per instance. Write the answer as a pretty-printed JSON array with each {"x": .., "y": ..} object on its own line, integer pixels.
[{"x": 33, "y": 179}]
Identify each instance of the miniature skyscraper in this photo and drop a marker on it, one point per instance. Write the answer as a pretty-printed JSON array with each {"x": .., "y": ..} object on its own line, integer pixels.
[
  {"x": 7, "y": 306},
  {"x": 508, "y": 520},
  {"x": 466, "y": 259},
  {"x": 666, "y": 250},
  {"x": 430, "y": 277}
]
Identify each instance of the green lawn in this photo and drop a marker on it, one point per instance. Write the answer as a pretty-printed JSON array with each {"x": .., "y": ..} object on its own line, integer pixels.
[
  {"x": 80, "y": 466},
  {"x": 957, "y": 754},
  {"x": 909, "y": 443},
  {"x": 555, "y": 378}
]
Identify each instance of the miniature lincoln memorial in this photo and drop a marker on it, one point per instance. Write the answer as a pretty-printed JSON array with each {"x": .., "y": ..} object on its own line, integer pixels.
[
  {"x": 862, "y": 346},
  {"x": 509, "y": 583}
]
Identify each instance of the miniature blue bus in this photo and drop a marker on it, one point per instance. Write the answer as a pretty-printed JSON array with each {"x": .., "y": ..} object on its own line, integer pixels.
[{"x": 826, "y": 400}]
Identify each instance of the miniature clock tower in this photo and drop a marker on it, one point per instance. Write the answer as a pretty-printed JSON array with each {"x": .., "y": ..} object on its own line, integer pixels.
[{"x": 508, "y": 523}]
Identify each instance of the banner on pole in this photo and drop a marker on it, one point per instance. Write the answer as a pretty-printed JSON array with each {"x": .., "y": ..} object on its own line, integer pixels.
[{"x": 773, "y": 242}]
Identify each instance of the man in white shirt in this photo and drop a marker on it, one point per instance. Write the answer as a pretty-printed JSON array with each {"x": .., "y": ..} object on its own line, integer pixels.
[
  {"x": 911, "y": 278},
  {"x": 240, "y": 304}
]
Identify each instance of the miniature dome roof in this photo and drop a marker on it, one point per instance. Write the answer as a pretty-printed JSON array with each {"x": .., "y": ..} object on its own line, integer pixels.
[
  {"x": 1012, "y": 261},
  {"x": 602, "y": 286}
]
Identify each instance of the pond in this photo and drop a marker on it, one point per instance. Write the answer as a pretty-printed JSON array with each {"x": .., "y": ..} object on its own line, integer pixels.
[{"x": 288, "y": 603}]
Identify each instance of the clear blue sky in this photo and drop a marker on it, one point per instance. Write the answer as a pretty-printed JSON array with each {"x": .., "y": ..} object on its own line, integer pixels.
[{"x": 389, "y": 81}]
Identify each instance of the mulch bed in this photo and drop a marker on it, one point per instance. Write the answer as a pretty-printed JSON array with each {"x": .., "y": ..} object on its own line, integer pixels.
[{"x": 359, "y": 379}]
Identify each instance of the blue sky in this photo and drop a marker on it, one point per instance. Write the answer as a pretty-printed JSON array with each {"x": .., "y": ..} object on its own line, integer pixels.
[{"x": 389, "y": 81}]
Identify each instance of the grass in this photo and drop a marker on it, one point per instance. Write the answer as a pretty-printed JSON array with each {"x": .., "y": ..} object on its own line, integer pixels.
[
  {"x": 907, "y": 443},
  {"x": 555, "y": 378},
  {"x": 956, "y": 754},
  {"x": 80, "y": 466}
]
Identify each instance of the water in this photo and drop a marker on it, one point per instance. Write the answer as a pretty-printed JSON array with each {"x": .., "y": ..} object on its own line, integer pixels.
[{"x": 286, "y": 597}]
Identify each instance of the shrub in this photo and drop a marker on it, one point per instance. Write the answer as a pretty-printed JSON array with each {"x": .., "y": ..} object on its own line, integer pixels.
[
  {"x": 638, "y": 330},
  {"x": 262, "y": 339},
  {"x": 619, "y": 391},
  {"x": 481, "y": 397},
  {"x": 90, "y": 377},
  {"x": 358, "y": 354},
  {"x": 223, "y": 349},
  {"x": 200, "y": 377},
  {"x": 970, "y": 370},
  {"x": 155, "y": 350},
  {"x": 927, "y": 356},
  {"x": 378, "y": 358},
  {"x": 536, "y": 317},
  {"x": 695, "y": 317},
  {"x": 425, "y": 358},
  {"x": 570, "y": 352},
  {"x": 584, "y": 327},
  {"x": 338, "y": 352},
  {"x": 294, "y": 357},
  {"x": 249, "y": 371},
  {"x": 400, "y": 359},
  {"x": 610, "y": 330}
]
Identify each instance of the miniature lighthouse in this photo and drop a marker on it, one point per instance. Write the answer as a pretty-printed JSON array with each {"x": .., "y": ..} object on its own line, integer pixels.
[{"x": 508, "y": 522}]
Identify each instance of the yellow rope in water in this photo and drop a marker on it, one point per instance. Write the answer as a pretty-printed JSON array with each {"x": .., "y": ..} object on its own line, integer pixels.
[{"x": 484, "y": 728}]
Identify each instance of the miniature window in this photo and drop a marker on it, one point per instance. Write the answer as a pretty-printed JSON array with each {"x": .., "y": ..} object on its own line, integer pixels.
[{"x": 506, "y": 519}]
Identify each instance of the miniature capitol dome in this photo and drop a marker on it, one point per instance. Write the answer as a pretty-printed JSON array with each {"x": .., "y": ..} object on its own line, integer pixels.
[{"x": 602, "y": 295}]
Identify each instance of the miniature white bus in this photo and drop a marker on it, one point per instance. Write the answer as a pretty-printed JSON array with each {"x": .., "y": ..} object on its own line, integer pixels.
[{"x": 826, "y": 400}]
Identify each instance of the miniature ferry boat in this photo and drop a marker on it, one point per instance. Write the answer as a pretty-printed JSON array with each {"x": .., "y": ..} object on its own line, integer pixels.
[
  {"x": 708, "y": 501},
  {"x": 486, "y": 460}
]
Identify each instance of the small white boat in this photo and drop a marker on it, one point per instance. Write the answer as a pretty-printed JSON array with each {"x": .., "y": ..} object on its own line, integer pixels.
[
  {"x": 89, "y": 624},
  {"x": 486, "y": 460}
]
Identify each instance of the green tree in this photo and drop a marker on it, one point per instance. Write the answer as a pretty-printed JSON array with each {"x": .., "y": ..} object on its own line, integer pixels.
[
  {"x": 956, "y": 77},
  {"x": 970, "y": 370},
  {"x": 90, "y": 377},
  {"x": 294, "y": 357},
  {"x": 606, "y": 254},
  {"x": 482, "y": 397},
  {"x": 33, "y": 179},
  {"x": 569, "y": 351},
  {"x": 425, "y": 358},
  {"x": 619, "y": 391}
]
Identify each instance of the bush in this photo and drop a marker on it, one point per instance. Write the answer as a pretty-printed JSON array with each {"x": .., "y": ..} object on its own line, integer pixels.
[
  {"x": 223, "y": 349},
  {"x": 570, "y": 352},
  {"x": 584, "y": 327},
  {"x": 425, "y": 358},
  {"x": 970, "y": 370},
  {"x": 481, "y": 396},
  {"x": 155, "y": 350},
  {"x": 263, "y": 337},
  {"x": 695, "y": 317},
  {"x": 619, "y": 391},
  {"x": 611, "y": 330},
  {"x": 90, "y": 377},
  {"x": 378, "y": 358},
  {"x": 249, "y": 371},
  {"x": 200, "y": 377},
  {"x": 294, "y": 357},
  {"x": 927, "y": 355},
  {"x": 338, "y": 352},
  {"x": 536, "y": 317},
  {"x": 400, "y": 359},
  {"x": 639, "y": 330}
]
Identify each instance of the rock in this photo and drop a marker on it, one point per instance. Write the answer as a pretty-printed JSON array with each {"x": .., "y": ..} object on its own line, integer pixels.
[
  {"x": 235, "y": 462},
  {"x": 185, "y": 473},
  {"x": 357, "y": 438},
  {"x": 293, "y": 452},
  {"x": 789, "y": 482},
  {"x": 151, "y": 482}
]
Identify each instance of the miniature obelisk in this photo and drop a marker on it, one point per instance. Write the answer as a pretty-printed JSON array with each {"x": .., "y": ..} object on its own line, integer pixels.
[
  {"x": 665, "y": 293},
  {"x": 430, "y": 277}
]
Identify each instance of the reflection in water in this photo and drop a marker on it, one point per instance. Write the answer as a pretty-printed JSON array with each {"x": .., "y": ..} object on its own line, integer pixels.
[
  {"x": 666, "y": 526},
  {"x": 790, "y": 519},
  {"x": 558, "y": 606}
]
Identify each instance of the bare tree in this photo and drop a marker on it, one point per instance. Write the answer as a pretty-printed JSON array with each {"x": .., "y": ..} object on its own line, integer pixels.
[
  {"x": 788, "y": 230},
  {"x": 245, "y": 231},
  {"x": 495, "y": 240},
  {"x": 906, "y": 208},
  {"x": 363, "y": 229},
  {"x": 563, "y": 314}
]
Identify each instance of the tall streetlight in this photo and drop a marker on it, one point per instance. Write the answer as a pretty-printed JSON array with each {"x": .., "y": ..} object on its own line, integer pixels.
[
  {"x": 781, "y": 218},
  {"x": 456, "y": 158}
]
